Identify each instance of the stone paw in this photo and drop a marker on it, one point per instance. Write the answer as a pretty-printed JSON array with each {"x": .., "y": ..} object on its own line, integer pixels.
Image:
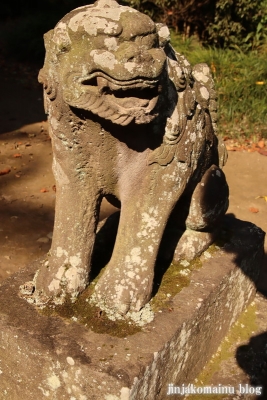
[
  {"x": 118, "y": 295},
  {"x": 192, "y": 244}
]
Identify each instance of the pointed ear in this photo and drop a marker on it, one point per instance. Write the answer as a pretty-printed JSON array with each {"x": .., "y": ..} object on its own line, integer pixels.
[
  {"x": 48, "y": 38},
  {"x": 164, "y": 34}
]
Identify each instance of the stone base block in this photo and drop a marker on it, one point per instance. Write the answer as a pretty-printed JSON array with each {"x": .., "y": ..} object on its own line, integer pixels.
[{"x": 47, "y": 357}]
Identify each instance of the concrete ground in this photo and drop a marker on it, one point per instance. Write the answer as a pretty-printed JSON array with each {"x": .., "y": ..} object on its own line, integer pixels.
[{"x": 27, "y": 197}]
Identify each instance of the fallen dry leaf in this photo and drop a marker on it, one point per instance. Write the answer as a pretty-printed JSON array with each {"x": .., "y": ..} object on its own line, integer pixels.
[
  {"x": 17, "y": 155},
  {"x": 5, "y": 171},
  {"x": 253, "y": 210},
  {"x": 263, "y": 152},
  {"x": 230, "y": 148},
  {"x": 44, "y": 190},
  {"x": 246, "y": 144},
  {"x": 261, "y": 197}
]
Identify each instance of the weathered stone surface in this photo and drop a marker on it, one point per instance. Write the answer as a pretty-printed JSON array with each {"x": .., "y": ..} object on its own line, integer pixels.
[
  {"x": 130, "y": 121},
  {"x": 49, "y": 358}
]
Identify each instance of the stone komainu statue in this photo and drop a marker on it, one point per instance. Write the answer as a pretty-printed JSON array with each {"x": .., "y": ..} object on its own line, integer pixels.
[{"x": 130, "y": 121}]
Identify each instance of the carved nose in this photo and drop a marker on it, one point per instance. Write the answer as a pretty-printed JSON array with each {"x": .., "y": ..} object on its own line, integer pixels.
[
  {"x": 140, "y": 57},
  {"x": 135, "y": 54}
]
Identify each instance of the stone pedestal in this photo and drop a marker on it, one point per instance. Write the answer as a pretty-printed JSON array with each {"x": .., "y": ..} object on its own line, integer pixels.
[{"x": 48, "y": 357}]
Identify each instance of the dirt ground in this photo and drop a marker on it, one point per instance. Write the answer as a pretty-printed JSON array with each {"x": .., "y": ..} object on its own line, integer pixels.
[{"x": 27, "y": 198}]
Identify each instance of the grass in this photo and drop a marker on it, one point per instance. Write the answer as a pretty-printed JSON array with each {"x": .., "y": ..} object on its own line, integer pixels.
[
  {"x": 241, "y": 83},
  {"x": 239, "y": 334}
]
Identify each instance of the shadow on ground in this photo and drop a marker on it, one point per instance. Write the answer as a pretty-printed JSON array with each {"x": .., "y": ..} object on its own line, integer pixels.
[{"x": 252, "y": 357}]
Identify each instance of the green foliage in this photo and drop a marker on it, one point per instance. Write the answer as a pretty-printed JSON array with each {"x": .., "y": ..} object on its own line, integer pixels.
[
  {"x": 241, "y": 84},
  {"x": 186, "y": 16},
  {"x": 222, "y": 23},
  {"x": 238, "y": 23},
  {"x": 148, "y": 7}
]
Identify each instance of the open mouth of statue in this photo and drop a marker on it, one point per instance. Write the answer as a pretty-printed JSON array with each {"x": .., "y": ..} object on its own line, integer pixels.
[{"x": 121, "y": 101}]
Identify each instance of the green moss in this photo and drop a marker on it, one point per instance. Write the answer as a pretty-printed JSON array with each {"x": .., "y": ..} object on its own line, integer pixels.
[
  {"x": 240, "y": 332},
  {"x": 81, "y": 311},
  {"x": 173, "y": 281}
]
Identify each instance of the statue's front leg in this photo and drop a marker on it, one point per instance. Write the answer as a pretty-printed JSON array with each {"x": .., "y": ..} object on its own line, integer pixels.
[
  {"x": 65, "y": 273},
  {"x": 127, "y": 281}
]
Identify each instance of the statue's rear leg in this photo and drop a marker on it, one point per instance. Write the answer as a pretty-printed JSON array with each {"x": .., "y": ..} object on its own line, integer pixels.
[{"x": 209, "y": 203}]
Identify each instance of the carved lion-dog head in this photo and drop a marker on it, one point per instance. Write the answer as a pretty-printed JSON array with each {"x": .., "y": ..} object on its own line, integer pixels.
[{"x": 108, "y": 59}]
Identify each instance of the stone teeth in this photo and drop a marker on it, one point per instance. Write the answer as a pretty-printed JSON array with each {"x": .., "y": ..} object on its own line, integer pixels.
[
  {"x": 95, "y": 106},
  {"x": 107, "y": 113},
  {"x": 90, "y": 100},
  {"x": 115, "y": 116},
  {"x": 124, "y": 119}
]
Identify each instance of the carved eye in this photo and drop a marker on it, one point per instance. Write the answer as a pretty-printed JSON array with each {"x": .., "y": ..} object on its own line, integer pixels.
[
  {"x": 150, "y": 41},
  {"x": 63, "y": 48}
]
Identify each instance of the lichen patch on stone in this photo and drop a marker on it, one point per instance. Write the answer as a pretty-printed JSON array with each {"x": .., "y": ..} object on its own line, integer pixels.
[
  {"x": 104, "y": 59},
  {"x": 54, "y": 382},
  {"x": 111, "y": 43},
  {"x": 70, "y": 361},
  {"x": 61, "y": 36}
]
